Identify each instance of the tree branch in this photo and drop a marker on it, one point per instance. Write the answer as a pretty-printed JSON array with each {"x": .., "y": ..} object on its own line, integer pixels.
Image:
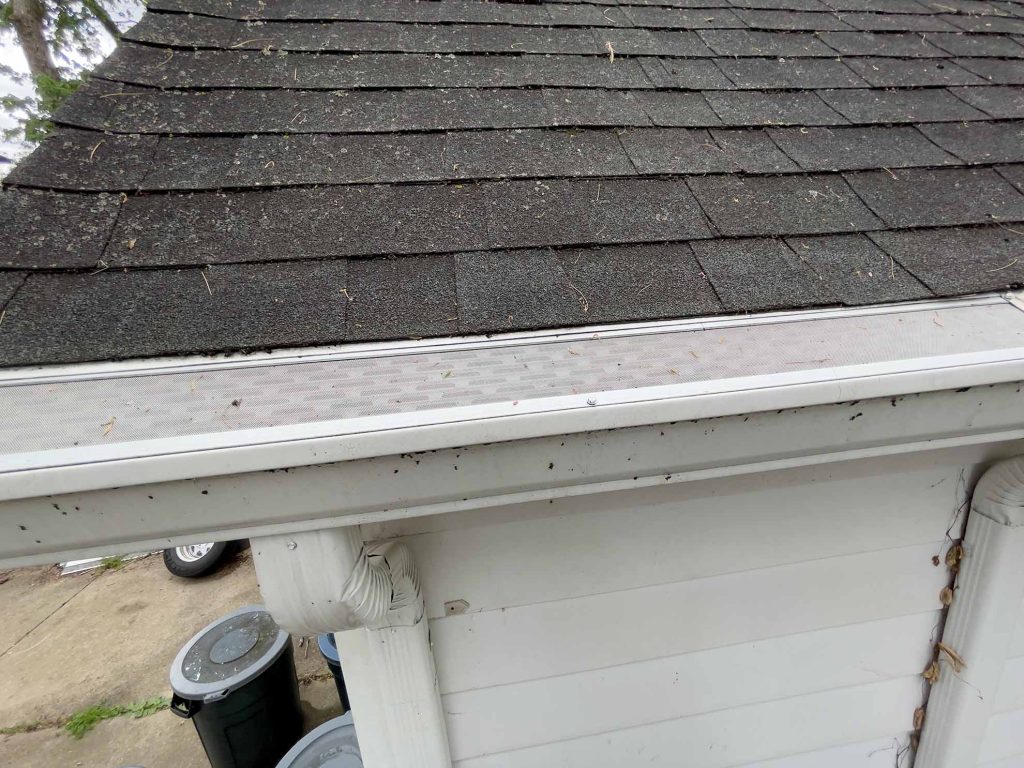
[
  {"x": 100, "y": 14},
  {"x": 27, "y": 18}
]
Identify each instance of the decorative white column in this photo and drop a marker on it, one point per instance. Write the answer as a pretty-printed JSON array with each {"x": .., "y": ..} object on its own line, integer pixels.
[
  {"x": 989, "y": 590},
  {"x": 329, "y": 581}
]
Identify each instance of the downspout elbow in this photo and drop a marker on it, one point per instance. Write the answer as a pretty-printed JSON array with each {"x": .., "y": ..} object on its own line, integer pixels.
[
  {"x": 999, "y": 495},
  {"x": 329, "y": 581}
]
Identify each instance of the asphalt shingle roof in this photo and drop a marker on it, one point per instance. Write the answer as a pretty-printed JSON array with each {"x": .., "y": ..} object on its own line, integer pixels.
[{"x": 246, "y": 174}]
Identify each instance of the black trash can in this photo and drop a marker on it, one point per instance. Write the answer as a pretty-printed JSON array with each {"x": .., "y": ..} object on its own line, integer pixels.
[
  {"x": 236, "y": 680},
  {"x": 331, "y": 745},
  {"x": 329, "y": 650}
]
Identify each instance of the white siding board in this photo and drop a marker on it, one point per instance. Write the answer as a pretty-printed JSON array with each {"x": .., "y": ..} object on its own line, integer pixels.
[
  {"x": 629, "y": 695},
  {"x": 735, "y": 736},
  {"x": 1010, "y": 695},
  {"x": 1017, "y": 643},
  {"x": 669, "y": 534},
  {"x": 1014, "y": 761},
  {"x": 1004, "y": 737},
  {"x": 477, "y": 650},
  {"x": 877, "y": 753}
]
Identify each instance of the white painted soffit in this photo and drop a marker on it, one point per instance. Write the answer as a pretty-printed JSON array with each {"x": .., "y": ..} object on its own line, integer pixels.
[{"x": 87, "y": 427}]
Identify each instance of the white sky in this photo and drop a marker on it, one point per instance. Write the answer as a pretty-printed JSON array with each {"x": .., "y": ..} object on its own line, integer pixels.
[{"x": 125, "y": 13}]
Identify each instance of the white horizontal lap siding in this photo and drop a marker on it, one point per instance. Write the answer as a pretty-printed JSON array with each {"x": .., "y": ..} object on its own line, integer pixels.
[
  {"x": 610, "y": 542},
  {"x": 497, "y": 647},
  {"x": 1003, "y": 745},
  {"x": 1010, "y": 695},
  {"x": 710, "y": 624},
  {"x": 734, "y": 736},
  {"x": 603, "y": 700},
  {"x": 1004, "y": 739},
  {"x": 877, "y": 753}
]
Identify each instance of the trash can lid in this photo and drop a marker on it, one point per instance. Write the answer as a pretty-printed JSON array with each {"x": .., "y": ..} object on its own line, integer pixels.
[
  {"x": 328, "y": 647},
  {"x": 331, "y": 745},
  {"x": 227, "y": 654}
]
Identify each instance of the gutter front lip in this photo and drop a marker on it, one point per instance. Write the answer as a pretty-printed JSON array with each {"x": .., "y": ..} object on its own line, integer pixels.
[{"x": 49, "y": 473}]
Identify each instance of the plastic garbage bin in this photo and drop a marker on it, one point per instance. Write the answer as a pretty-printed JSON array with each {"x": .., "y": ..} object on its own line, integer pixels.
[
  {"x": 331, "y": 745},
  {"x": 329, "y": 650},
  {"x": 236, "y": 680}
]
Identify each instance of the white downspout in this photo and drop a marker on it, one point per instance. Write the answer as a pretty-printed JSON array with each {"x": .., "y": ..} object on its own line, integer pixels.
[
  {"x": 370, "y": 597},
  {"x": 989, "y": 591}
]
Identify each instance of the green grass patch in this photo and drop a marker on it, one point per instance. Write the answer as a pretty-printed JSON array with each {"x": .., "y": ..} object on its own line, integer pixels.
[
  {"x": 112, "y": 563},
  {"x": 85, "y": 720},
  {"x": 36, "y": 725}
]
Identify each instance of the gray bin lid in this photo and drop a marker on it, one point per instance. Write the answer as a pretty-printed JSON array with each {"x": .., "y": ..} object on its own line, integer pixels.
[
  {"x": 331, "y": 745},
  {"x": 227, "y": 654}
]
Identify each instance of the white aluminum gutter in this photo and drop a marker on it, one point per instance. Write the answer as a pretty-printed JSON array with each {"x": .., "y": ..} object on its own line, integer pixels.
[
  {"x": 150, "y": 454},
  {"x": 74, "y": 430},
  {"x": 989, "y": 591}
]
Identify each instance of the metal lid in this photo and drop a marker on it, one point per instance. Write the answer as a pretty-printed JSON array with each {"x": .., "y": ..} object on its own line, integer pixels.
[
  {"x": 328, "y": 647},
  {"x": 331, "y": 745},
  {"x": 227, "y": 654}
]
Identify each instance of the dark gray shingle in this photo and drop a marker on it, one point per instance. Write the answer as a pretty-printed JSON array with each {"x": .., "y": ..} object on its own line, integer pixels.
[
  {"x": 994, "y": 101},
  {"x": 638, "y": 281},
  {"x": 114, "y": 314},
  {"x": 764, "y": 74},
  {"x": 996, "y": 71},
  {"x": 87, "y": 160},
  {"x": 10, "y": 282},
  {"x": 746, "y": 42},
  {"x": 793, "y": 20},
  {"x": 676, "y": 150},
  {"x": 760, "y": 274},
  {"x": 772, "y": 108},
  {"x": 849, "y": 148},
  {"x": 980, "y": 142},
  {"x": 509, "y": 154},
  {"x": 44, "y": 230},
  {"x": 406, "y": 297},
  {"x": 493, "y": 296},
  {"x": 878, "y": 106},
  {"x": 908, "y": 44},
  {"x": 857, "y": 270},
  {"x": 891, "y": 22},
  {"x": 960, "y": 44},
  {"x": 957, "y": 261},
  {"x": 676, "y": 108},
  {"x": 931, "y": 198},
  {"x": 898, "y": 73},
  {"x": 786, "y": 205}
]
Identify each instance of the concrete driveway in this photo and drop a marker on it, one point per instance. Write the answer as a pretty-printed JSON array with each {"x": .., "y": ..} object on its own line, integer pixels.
[{"x": 108, "y": 637}]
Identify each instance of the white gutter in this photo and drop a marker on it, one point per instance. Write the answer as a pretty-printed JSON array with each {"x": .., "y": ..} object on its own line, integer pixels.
[
  {"x": 987, "y": 598},
  {"x": 673, "y": 372}
]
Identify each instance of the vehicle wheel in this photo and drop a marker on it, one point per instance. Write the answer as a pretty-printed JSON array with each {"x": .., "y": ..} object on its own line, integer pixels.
[{"x": 194, "y": 560}]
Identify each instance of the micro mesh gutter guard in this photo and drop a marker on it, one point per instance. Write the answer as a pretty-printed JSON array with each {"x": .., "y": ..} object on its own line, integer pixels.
[
  {"x": 988, "y": 594},
  {"x": 142, "y": 423}
]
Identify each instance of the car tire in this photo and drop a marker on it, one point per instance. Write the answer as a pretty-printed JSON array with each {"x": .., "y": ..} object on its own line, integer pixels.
[{"x": 195, "y": 560}]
